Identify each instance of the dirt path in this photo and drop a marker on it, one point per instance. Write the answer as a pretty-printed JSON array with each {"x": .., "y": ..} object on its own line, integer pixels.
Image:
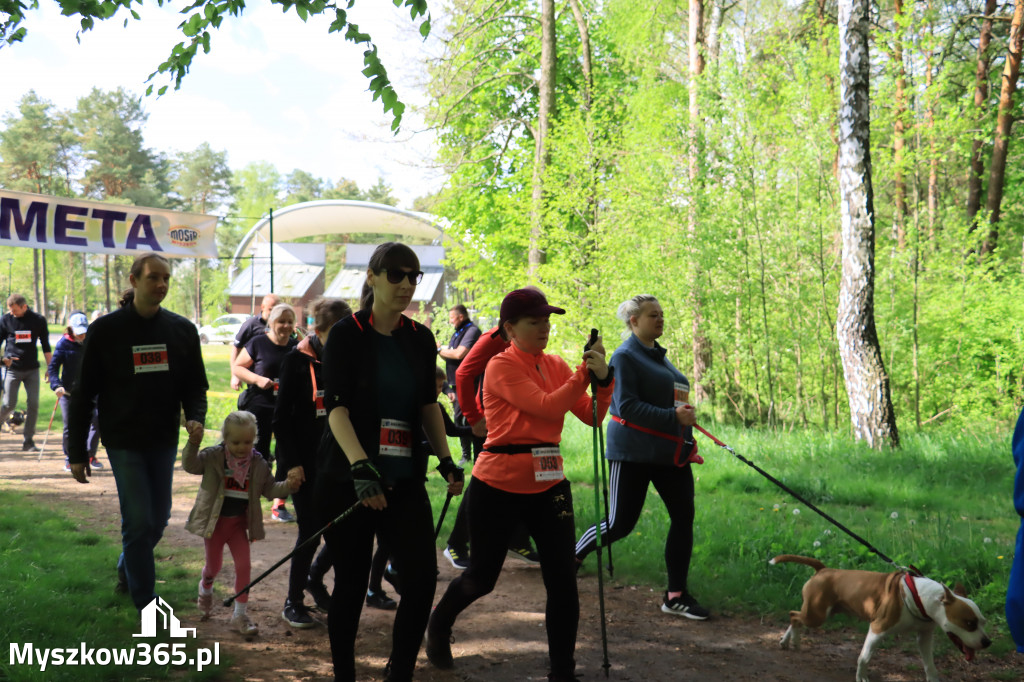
[{"x": 500, "y": 638}]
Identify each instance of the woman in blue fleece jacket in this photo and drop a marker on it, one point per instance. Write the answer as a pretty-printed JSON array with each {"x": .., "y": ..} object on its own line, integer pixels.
[
  {"x": 1015, "y": 588},
  {"x": 650, "y": 440},
  {"x": 63, "y": 371}
]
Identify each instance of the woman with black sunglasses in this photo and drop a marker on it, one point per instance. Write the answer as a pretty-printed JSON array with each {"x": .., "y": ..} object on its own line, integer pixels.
[{"x": 378, "y": 373}]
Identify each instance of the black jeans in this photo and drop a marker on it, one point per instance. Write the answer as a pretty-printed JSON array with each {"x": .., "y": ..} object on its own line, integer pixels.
[
  {"x": 407, "y": 526},
  {"x": 493, "y": 517},
  {"x": 627, "y": 490}
]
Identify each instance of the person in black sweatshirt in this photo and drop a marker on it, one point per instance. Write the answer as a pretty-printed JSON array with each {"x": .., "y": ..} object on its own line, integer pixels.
[
  {"x": 299, "y": 421},
  {"x": 142, "y": 364},
  {"x": 21, "y": 328}
]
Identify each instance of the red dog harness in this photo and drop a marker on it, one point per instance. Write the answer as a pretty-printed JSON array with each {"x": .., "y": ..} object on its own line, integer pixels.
[
  {"x": 912, "y": 589},
  {"x": 677, "y": 457}
]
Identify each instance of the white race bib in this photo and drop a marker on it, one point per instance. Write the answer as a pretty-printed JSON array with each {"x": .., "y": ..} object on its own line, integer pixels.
[{"x": 547, "y": 464}]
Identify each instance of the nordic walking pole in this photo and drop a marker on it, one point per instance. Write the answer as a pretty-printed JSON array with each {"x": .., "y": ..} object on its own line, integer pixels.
[
  {"x": 314, "y": 538},
  {"x": 52, "y": 415},
  {"x": 440, "y": 519},
  {"x": 597, "y": 510},
  {"x": 604, "y": 470},
  {"x": 604, "y": 490}
]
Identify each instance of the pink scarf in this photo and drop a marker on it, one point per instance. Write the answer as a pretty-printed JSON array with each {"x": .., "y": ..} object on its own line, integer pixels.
[{"x": 238, "y": 467}]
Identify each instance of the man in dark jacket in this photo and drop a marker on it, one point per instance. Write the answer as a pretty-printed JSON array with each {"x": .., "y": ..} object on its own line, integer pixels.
[
  {"x": 143, "y": 366},
  {"x": 21, "y": 328}
]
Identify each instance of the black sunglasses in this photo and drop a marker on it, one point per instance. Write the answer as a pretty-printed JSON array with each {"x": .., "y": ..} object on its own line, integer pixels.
[{"x": 395, "y": 276}]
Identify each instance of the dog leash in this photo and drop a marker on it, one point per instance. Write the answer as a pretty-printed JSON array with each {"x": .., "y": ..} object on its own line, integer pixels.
[{"x": 912, "y": 570}]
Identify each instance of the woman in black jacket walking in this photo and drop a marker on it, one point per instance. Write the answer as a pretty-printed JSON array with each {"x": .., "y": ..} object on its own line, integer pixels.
[
  {"x": 299, "y": 421},
  {"x": 378, "y": 370}
]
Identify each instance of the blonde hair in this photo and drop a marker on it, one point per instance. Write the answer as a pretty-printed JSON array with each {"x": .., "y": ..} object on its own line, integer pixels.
[
  {"x": 240, "y": 418},
  {"x": 631, "y": 308},
  {"x": 279, "y": 310}
]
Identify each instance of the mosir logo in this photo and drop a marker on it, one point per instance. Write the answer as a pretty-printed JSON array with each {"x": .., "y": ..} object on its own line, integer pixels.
[
  {"x": 157, "y": 618},
  {"x": 184, "y": 236}
]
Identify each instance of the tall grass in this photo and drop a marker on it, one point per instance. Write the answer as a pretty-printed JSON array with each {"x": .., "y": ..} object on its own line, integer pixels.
[{"x": 943, "y": 503}]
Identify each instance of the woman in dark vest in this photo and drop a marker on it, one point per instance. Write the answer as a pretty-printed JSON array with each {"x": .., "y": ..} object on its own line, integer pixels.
[{"x": 378, "y": 371}]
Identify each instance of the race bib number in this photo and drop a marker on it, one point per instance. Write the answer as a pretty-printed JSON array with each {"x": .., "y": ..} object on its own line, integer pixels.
[
  {"x": 547, "y": 464},
  {"x": 23, "y": 336},
  {"x": 321, "y": 411},
  {"x": 151, "y": 358},
  {"x": 395, "y": 438},
  {"x": 682, "y": 393}
]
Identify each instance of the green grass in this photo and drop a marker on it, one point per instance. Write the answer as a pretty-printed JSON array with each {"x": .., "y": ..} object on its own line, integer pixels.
[
  {"x": 58, "y": 592},
  {"x": 942, "y": 503}
]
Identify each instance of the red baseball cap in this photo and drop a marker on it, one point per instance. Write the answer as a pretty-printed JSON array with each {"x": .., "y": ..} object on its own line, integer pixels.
[{"x": 525, "y": 302}]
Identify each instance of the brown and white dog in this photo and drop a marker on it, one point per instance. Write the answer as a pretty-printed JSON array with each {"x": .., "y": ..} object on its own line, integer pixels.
[{"x": 891, "y": 602}]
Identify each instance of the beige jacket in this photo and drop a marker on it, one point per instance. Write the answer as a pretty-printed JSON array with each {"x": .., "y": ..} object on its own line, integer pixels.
[{"x": 210, "y": 463}]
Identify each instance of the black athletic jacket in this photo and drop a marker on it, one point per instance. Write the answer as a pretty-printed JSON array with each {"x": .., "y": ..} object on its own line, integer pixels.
[
  {"x": 33, "y": 323},
  {"x": 350, "y": 375}
]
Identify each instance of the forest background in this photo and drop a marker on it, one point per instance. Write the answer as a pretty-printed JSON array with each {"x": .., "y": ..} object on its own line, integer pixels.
[{"x": 688, "y": 150}]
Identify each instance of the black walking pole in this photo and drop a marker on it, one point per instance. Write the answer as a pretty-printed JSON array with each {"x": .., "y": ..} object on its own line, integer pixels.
[
  {"x": 597, "y": 511},
  {"x": 604, "y": 471},
  {"x": 440, "y": 519},
  {"x": 314, "y": 538}
]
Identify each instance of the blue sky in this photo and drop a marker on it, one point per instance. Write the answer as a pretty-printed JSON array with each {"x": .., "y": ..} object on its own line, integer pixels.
[{"x": 272, "y": 88}]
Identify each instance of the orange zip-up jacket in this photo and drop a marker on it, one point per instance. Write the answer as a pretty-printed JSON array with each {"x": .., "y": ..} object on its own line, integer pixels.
[{"x": 526, "y": 398}]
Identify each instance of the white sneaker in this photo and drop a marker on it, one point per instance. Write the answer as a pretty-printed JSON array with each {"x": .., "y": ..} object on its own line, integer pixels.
[{"x": 244, "y": 625}]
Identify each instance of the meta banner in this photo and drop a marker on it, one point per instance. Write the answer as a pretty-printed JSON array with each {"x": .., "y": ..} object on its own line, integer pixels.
[{"x": 44, "y": 222}]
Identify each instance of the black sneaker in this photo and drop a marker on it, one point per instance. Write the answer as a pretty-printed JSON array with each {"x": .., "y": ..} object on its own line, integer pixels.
[
  {"x": 282, "y": 514},
  {"x": 439, "y": 647},
  {"x": 525, "y": 553},
  {"x": 297, "y": 615},
  {"x": 458, "y": 558},
  {"x": 321, "y": 597},
  {"x": 379, "y": 599},
  {"x": 29, "y": 446},
  {"x": 685, "y": 606}
]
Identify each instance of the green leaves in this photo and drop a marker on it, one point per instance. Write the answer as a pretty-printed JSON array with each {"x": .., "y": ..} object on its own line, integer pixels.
[{"x": 204, "y": 15}]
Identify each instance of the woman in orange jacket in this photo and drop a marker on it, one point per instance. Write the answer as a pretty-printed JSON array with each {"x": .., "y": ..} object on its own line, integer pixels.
[{"x": 519, "y": 476}]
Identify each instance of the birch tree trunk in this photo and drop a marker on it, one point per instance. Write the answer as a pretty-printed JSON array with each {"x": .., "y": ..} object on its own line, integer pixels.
[
  {"x": 980, "y": 97},
  {"x": 1001, "y": 147},
  {"x": 546, "y": 104},
  {"x": 867, "y": 384},
  {"x": 899, "y": 132},
  {"x": 703, "y": 389}
]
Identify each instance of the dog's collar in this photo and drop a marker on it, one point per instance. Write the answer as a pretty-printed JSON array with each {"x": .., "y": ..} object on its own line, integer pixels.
[{"x": 912, "y": 590}]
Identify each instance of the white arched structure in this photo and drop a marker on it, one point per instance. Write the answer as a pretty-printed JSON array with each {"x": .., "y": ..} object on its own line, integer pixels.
[{"x": 331, "y": 216}]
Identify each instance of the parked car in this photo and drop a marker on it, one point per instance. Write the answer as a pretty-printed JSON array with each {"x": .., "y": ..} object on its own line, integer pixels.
[{"x": 222, "y": 330}]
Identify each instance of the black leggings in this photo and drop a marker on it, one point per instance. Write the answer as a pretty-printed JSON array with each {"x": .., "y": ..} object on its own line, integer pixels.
[
  {"x": 627, "y": 491},
  {"x": 493, "y": 517},
  {"x": 303, "y": 564},
  {"x": 407, "y": 526}
]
